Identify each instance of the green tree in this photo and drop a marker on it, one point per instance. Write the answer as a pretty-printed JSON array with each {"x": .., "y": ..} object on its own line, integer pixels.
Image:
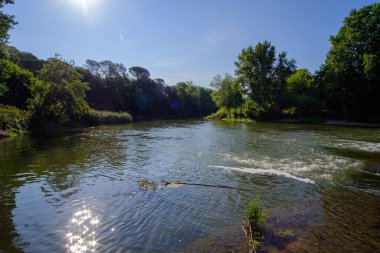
[
  {"x": 59, "y": 96},
  {"x": 15, "y": 84},
  {"x": 300, "y": 82},
  {"x": 6, "y": 21},
  {"x": 24, "y": 59},
  {"x": 283, "y": 69},
  {"x": 107, "y": 69},
  {"x": 254, "y": 70},
  {"x": 352, "y": 68},
  {"x": 139, "y": 73},
  {"x": 263, "y": 78},
  {"x": 228, "y": 92},
  {"x": 189, "y": 101}
]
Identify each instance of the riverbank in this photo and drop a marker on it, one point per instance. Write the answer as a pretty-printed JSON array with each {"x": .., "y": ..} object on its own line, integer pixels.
[
  {"x": 15, "y": 121},
  {"x": 329, "y": 123},
  {"x": 310, "y": 121}
]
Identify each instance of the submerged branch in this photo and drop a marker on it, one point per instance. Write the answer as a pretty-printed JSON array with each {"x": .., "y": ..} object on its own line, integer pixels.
[
  {"x": 152, "y": 186},
  {"x": 204, "y": 185}
]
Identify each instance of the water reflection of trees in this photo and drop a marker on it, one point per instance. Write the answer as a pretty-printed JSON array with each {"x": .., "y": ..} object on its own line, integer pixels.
[{"x": 57, "y": 162}]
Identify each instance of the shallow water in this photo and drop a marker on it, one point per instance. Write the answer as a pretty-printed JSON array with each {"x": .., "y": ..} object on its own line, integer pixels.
[{"x": 80, "y": 191}]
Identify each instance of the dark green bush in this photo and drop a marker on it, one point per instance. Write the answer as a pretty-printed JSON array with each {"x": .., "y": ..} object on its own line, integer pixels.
[{"x": 13, "y": 120}]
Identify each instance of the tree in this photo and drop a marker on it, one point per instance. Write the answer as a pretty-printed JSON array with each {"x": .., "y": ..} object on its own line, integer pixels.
[
  {"x": 299, "y": 82},
  {"x": 284, "y": 68},
  {"x": 107, "y": 69},
  {"x": 24, "y": 59},
  {"x": 59, "y": 95},
  {"x": 263, "y": 78},
  {"x": 254, "y": 69},
  {"x": 139, "y": 73},
  {"x": 6, "y": 21},
  {"x": 187, "y": 100},
  {"x": 352, "y": 68},
  {"x": 302, "y": 89},
  {"x": 15, "y": 84},
  {"x": 228, "y": 92}
]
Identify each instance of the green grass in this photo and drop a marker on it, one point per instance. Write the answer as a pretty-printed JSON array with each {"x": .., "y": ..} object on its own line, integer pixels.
[
  {"x": 95, "y": 117},
  {"x": 255, "y": 215},
  {"x": 13, "y": 121},
  {"x": 255, "y": 219}
]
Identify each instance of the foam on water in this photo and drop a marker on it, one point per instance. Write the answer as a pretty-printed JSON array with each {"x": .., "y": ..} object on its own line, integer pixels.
[
  {"x": 266, "y": 171},
  {"x": 302, "y": 167},
  {"x": 357, "y": 145}
]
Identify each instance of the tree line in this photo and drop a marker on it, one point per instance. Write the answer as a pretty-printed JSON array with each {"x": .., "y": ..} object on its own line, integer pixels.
[
  {"x": 268, "y": 86},
  {"x": 55, "y": 91}
]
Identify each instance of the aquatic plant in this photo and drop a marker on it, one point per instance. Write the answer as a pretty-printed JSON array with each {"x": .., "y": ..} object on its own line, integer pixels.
[{"x": 253, "y": 225}]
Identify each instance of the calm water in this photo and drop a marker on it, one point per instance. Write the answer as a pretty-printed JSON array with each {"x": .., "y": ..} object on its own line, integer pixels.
[{"x": 80, "y": 191}]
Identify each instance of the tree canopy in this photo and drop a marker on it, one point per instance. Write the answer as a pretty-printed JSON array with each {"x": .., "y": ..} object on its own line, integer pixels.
[
  {"x": 6, "y": 21},
  {"x": 262, "y": 74},
  {"x": 59, "y": 95},
  {"x": 15, "y": 84},
  {"x": 351, "y": 72}
]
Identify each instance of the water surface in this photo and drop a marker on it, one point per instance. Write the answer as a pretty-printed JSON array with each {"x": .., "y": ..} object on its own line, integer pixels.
[{"x": 320, "y": 182}]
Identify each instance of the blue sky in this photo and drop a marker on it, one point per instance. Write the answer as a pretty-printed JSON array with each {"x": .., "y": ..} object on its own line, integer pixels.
[{"x": 177, "y": 40}]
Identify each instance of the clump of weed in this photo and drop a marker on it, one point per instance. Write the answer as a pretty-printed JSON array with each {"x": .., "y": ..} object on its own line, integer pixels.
[
  {"x": 148, "y": 185},
  {"x": 254, "y": 223}
]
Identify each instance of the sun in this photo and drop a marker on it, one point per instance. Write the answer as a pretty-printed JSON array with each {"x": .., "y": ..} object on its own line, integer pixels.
[{"x": 86, "y": 6}]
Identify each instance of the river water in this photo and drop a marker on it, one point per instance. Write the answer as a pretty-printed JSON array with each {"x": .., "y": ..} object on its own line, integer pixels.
[{"x": 79, "y": 191}]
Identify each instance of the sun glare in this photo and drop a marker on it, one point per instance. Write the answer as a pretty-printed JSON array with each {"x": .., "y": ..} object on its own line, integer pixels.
[{"x": 87, "y": 6}]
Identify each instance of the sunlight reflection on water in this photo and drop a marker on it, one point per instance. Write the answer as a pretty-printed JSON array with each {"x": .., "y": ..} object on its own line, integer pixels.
[{"x": 81, "y": 235}]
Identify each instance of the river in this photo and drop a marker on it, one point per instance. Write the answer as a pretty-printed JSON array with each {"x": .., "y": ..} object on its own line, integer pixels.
[{"x": 79, "y": 191}]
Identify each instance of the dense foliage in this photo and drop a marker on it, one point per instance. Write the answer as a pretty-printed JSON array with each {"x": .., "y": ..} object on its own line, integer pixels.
[
  {"x": 6, "y": 21},
  {"x": 346, "y": 86},
  {"x": 351, "y": 73},
  {"x": 13, "y": 120},
  {"x": 58, "y": 92},
  {"x": 59, "y": 95}
]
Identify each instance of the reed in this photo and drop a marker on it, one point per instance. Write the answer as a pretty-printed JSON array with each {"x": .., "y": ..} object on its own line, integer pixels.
[{"x": 254, "y": 223}]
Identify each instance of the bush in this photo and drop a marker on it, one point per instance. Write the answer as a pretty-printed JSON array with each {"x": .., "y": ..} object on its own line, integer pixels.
[
  {"x": 289, "y": 112},
  {"x": 13, "y": 120},
  {"x": 265, "y": 112},
  {"x": 308, "y": 106},
  {"x": 94, "y": 117}
]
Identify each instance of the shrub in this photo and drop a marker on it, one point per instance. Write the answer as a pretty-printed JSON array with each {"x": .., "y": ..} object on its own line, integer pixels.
[
  {"x": 94, "y": 117},
  {"x": 289, "y": 111},
  {"x": 13, "y": 120}
]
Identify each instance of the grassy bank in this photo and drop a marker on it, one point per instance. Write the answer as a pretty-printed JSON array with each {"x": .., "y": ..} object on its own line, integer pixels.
[
  {"x": 230, "y": 114},
  {"x": 15, "y": 121},
  {"x": 95, "y": 117}
]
